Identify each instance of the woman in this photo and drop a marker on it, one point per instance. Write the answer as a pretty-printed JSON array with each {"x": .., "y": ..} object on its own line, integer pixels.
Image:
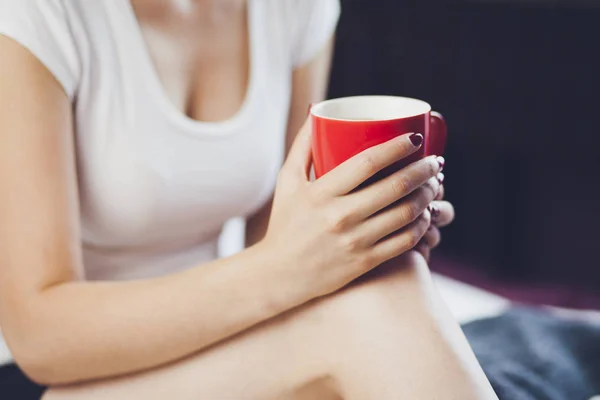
[{"x": 131, "y": 131}]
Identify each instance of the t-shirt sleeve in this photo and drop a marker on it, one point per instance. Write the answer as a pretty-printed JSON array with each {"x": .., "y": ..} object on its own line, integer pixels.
[
  {"x": 42, "y": 26},
  {"x": 314, "y": 23}
]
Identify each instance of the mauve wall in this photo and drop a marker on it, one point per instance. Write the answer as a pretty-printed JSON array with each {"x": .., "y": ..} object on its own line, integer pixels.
[{"x": 519, "y": 87}]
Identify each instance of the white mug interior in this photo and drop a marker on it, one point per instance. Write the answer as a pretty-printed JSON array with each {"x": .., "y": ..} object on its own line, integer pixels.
[{"x": 369, "y": 108}]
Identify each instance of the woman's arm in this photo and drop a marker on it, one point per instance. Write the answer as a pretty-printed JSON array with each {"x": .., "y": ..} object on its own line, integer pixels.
[
  {"x": 63, "y": 330},
  {"x": 309, "y": 85},
  {"x": 59, "y": 328}
]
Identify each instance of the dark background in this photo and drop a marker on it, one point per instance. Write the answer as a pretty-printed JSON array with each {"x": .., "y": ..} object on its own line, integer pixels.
[{"x": 518, "y": 84}]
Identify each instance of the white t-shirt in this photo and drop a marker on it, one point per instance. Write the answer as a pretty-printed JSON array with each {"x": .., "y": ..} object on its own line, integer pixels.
[{"x": 155, "y": 186}]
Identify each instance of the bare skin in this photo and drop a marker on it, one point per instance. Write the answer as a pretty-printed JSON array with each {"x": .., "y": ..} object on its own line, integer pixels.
[
  {"x": 387, "y": 337},
  {"x": 261, "y": 303}
]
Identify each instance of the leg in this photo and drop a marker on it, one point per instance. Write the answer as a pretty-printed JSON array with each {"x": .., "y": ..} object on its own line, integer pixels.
[
  {"x": 405, "y": 341},
  {"x": 275, "y": 359},
  {"x": 385, "y": 337}
]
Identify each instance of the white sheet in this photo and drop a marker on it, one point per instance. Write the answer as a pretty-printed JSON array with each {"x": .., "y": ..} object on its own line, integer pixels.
[{"x": 468, "y": 303}]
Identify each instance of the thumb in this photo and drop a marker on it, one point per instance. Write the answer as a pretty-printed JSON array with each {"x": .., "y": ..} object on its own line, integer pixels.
[{"x": 299, "y": 159}]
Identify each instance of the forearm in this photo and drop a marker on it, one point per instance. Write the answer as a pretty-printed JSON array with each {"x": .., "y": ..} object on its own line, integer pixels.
[{"x": 80, "y": 331}]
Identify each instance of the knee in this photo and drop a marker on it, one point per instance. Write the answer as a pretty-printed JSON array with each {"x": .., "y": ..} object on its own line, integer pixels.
[{"x": 382, "y": 297}]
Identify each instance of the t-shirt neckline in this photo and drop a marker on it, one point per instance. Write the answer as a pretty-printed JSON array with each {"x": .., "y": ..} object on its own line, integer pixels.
[{"x": 139, "y": 50}]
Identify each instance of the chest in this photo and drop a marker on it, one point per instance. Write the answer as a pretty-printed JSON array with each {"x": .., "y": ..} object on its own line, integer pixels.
[
  {"x": 153, "y": 166},
  {"x": 202, "y": 63}
]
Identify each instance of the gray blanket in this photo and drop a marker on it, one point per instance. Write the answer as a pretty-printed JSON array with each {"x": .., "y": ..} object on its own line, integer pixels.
[{"x": 530, "y": 354}]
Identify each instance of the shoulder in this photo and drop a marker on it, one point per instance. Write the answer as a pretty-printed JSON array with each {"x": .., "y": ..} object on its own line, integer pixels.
[
  {"x": 44, "y": 28},
  {"x": 307, "y": 23},
  {"x": 300, "y": 8},
  {"x": 301, "y": 12},
  {"x": 46, "y": 15}
]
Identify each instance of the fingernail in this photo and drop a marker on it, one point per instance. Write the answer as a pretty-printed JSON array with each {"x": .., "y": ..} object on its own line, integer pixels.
[
  {"x": 440, "y": 177},
  {"x": 435, "y": 212},
  {"x": 416, "y": 139},
  {"x": 441, "y": 161},
  {"x": 428, "y": 210}
]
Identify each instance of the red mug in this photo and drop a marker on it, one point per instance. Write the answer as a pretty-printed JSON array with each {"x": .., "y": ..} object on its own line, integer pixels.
[{"x": 344, "y": 127}]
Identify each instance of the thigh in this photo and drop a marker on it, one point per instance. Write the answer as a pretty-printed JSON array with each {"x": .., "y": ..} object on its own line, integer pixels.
[
  {"x": 265, "y": 362},
  {"x": 294, "y": 356},
  {"x": 386, "y": 336}
]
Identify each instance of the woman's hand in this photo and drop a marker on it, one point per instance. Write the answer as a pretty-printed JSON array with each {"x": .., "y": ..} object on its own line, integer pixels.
[
  {"x": 326, "y": 233},
  {"x": 442, "y": 214}
]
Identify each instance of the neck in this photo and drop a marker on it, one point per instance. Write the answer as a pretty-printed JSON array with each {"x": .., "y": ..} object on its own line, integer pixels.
[{"x": 208, "y": 10}]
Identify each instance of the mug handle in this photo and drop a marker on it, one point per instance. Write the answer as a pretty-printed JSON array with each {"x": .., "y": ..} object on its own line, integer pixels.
[{"x": 438, "y": 131}]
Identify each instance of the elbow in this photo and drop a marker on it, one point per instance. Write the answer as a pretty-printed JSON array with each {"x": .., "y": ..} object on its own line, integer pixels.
[
  {"x": 39, "y": 361},
  {"x": 34, "y": 339},
  {"x": 37, "y": 366}
]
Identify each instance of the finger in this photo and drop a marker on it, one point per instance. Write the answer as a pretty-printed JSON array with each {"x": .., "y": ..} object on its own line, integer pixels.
[
  {"x": 442, "y": 213},
  {"x": 441, "y": 193},
  {"x": 300, "y": 155},
  {"x": 353, "y": 172},
  {"x": 389, "y": 190},
  {"x": 399, "y": 215},
  {"x": 432, "y": 237},
  {"x": 404, "y": 240}
]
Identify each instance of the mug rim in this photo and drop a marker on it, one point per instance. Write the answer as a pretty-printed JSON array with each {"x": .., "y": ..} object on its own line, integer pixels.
[{"x": 316, "y": 109}]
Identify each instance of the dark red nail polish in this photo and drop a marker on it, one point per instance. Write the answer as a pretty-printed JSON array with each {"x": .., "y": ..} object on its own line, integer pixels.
[
  {"x": 440, "y": 177},
  {"x": 416, "y": 139},
  {"x": 441, "y": 161},
  {"x": 435, "y": 212}
]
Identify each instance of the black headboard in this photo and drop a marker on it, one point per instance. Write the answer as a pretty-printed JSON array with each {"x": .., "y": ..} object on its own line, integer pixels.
[{"x": 519, "y": 85}]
